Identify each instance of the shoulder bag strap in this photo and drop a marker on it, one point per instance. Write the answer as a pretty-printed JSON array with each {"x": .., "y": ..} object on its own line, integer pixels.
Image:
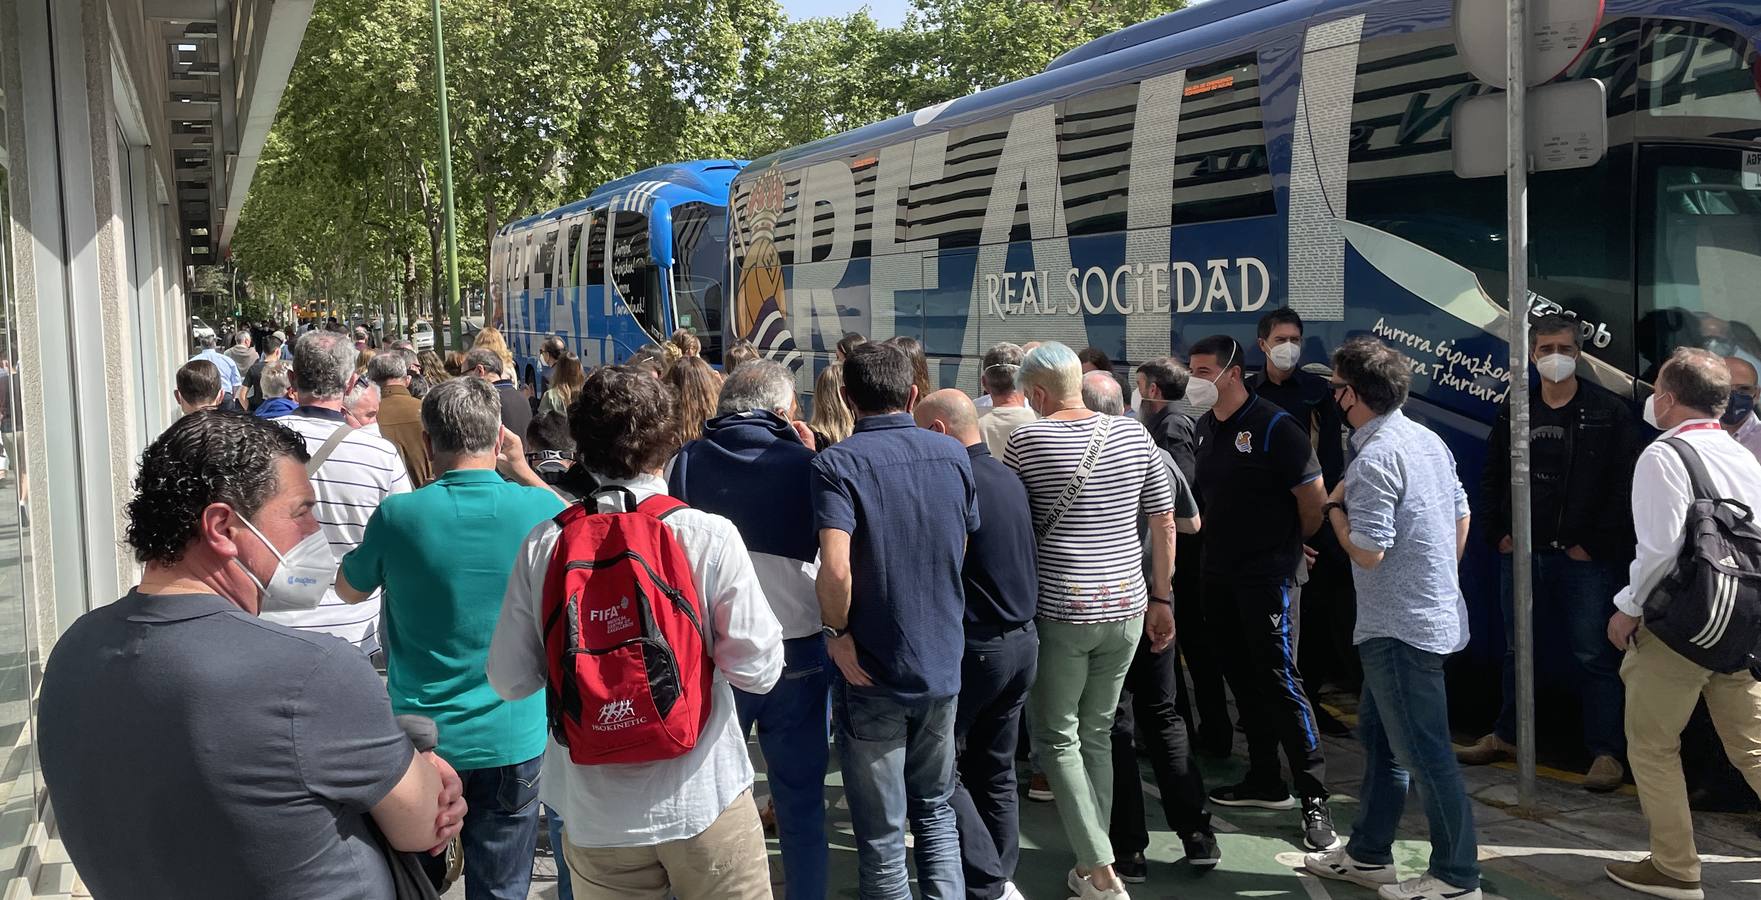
[
  {"x": 1097, "y": 444},
  {"x": 1698, "y": 477},
  {"x": 328, "y": 447}
]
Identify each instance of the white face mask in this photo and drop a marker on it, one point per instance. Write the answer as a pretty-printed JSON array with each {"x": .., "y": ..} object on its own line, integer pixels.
[
  {"x": 1202, "y": 394},
  {"x": 1284, "y": 357},
  {"x": 301, "y": 577},
  {"x": 1556, "y": 367},
  {"x": 1651, "y": 412}
]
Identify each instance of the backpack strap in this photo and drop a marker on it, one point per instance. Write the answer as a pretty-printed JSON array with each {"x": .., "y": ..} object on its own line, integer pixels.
[
  {"x": 1698, "y": 477},
  {"x": 661, "y": 506}
]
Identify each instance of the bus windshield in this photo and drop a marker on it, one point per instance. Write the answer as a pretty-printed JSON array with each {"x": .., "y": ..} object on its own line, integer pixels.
[
  {"x": 634, "y": 274},
  {"x": 699, "y": 253}
]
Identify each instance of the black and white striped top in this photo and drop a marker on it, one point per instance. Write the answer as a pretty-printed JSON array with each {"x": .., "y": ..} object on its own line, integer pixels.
[
  {"x": 1091, "y": 565},
  {"x": 361, "y": 472}
]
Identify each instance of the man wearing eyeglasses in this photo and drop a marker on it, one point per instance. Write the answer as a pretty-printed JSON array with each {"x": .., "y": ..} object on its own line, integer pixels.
[{"x": 1739, "y": 416}]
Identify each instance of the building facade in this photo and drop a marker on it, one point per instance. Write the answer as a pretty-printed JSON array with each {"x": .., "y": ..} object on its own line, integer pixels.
[{"x": 129, "y": 132}]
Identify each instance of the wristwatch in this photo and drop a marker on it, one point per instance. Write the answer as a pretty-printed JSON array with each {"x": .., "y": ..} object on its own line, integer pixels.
[
  {"x": 1327, "y": 511},
  {"x": 832, "y": 634},
  {"x": 1165, "y": 601}
]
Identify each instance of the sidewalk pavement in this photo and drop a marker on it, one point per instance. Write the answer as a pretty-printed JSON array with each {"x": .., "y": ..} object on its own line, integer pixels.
[{"x": 1560, "y": 854}]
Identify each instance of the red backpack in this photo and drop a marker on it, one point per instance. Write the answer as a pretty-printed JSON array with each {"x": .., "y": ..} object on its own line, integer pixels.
[{"x": 629, "y": 672}]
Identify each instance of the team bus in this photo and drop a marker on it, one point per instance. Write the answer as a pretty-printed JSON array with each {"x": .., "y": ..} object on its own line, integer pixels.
[
  {"x": 1182, "y": 177},
  {"x": 638, "y": 258}
]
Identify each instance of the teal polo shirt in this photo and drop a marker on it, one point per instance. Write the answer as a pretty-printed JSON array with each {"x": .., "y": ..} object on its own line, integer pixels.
[{"x": 443, "y": 554}]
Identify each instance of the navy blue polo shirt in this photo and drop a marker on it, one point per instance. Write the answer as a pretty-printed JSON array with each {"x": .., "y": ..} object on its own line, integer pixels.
[
  {"x": 1247, "y": 466},
  {"x": 1002, "y": 589},
  {"x": 907, "y": 499}
]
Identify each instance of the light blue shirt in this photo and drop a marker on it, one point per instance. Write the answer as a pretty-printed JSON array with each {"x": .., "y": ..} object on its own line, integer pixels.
[
  {"x": 229, "y": 374},
  {"x": 1404, "y": 498}
]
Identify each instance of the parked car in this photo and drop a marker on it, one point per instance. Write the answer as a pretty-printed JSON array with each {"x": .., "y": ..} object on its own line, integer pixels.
[
  {"x": 422, "y": 335},
  {"x": 199, "y": 329}
]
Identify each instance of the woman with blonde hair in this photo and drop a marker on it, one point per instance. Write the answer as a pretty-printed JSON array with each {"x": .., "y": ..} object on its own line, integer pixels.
[
  {"x": 687, "y": 343},
  {"x": 832, "y": 420},
  {"x": 490, "y": 339},
  {"x": 695, "y": 385},
  {"x": 432, "y": 368},
  {"x": 566, "y": 378}
]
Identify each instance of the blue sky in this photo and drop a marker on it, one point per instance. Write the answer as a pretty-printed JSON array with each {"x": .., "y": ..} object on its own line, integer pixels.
[{"x": 886, "y": 12}]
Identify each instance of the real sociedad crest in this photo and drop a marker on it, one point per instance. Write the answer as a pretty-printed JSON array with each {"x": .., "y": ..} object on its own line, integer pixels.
[{"x": 761, "y": 313}]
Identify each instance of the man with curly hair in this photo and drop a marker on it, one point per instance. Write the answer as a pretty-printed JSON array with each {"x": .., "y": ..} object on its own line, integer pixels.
[
  {"x": 685, "y": 826},
  {"x": 245, "y": 759}
]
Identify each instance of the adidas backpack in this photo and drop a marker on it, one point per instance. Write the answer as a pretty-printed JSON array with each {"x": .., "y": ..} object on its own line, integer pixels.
[
  {"x": 1708, "y": 606},
  {"x": 629, "y": 670}
]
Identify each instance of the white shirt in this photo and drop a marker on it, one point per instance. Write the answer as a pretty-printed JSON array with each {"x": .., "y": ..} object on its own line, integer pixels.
[
  {"x": 361, "y": 472},
  {"x": 643, "y": 804},
  {"x": 1662, "y": 494},
  {"x": 1749, "y": 435}
]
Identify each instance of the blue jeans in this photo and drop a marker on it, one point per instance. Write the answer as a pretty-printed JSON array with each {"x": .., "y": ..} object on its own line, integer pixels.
[
  {"x": 791, "y": 723},
  {"x": 564, "y": 890},
  {"x": 898, "y": 762},
  {"x": 500, "y": 835},
  {"x": 1403, "y": 722},
  {"x": 1586, "y": 591}
]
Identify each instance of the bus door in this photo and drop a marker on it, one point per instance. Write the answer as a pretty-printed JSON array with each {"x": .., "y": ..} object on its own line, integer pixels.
[
  {"x": 700, "y": 242},
  {"x": 1698, "y": 200},
  {"x": 634, "y": 285}
]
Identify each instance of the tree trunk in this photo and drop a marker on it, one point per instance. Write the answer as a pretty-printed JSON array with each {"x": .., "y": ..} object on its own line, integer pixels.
[{"x": 491, "y": 223}]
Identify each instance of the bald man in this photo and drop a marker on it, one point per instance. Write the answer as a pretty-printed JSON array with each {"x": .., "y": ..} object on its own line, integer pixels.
[
  {"x": 1002, "y": 649},
  {"x": 1739, "y": 416}
]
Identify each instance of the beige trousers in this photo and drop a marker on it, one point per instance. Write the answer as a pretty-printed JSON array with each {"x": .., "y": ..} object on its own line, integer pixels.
[
  {"x": 728, "y": 860},
  {"x": 1661, "y": 690}
]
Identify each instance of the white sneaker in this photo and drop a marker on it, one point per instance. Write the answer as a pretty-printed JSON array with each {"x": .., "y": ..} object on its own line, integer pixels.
[
  {"x": 1011, "y": 892},
  {"x": 1427, "y": 887},
  {"x": 1341, "y": 866},
  {"x": 1087, "y": 891}
]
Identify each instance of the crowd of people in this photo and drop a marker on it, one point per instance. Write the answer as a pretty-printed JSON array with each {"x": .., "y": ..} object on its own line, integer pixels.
[{"x": 936, "y": 587}]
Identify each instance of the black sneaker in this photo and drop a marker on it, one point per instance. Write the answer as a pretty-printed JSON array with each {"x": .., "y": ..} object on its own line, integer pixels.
[
  {"x": 1249, "y": 794},
  {"x": 1202, "y": 851},
  {"x": 1133, "y": 869},
  {"x": 1317, "y": 825}
]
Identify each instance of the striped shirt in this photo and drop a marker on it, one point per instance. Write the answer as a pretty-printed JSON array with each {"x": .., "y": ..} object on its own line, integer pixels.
[
  {"x": 362, "y": 471},
  {"x": 1091, "y": 564}
]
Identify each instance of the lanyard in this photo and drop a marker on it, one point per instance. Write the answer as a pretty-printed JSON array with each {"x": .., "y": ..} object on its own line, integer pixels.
[{"x": 1700, "y": 426}]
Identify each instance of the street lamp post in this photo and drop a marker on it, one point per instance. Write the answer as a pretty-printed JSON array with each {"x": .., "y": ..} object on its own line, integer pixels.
[{"x": 452, "y": 234}]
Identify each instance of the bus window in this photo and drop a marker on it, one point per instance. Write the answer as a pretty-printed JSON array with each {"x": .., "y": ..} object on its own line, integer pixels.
[
  {"x": 1094, "y": 153},
  {"x": 572, "y": 274},
  {"x": 1221, "y": 170},
  {"x": 952, "y": 209},
  {"x": 634, "y": 273},
  {"x": 593, "y": 260},
  {"x": 1697, "y": 81},
  {"x": 547, "y": 258},
  {"x": 1699, "y": 252},
  {"x": 699, "y": 245}
]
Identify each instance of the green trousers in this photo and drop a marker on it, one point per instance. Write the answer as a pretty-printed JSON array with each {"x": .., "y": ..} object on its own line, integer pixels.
[{"x": 1081, "y": 669}]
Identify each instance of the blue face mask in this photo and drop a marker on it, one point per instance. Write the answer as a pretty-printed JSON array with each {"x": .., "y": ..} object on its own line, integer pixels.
[{"x": 1740, "y": 407}]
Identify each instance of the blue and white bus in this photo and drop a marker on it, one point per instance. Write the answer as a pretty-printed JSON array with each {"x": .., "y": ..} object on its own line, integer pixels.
[
  {"x": 1182, "y": 177},
  {"x": 640, "y": 257}
]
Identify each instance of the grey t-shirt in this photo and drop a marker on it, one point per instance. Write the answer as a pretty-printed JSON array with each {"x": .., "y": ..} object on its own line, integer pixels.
[{"x": 195, "y": 751}]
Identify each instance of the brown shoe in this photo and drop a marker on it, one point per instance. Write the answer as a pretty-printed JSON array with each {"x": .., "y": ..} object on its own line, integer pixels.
[
  {"x": 1606, "y": 774},
  {"x": 1642, "y": 876},
  {"x": 1489, "y": 749},
  {"x": 1038, "y": 788}
]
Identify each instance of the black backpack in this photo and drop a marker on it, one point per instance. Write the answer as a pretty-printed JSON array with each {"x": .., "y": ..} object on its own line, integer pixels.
[{"x": 1708, "y": 606}]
